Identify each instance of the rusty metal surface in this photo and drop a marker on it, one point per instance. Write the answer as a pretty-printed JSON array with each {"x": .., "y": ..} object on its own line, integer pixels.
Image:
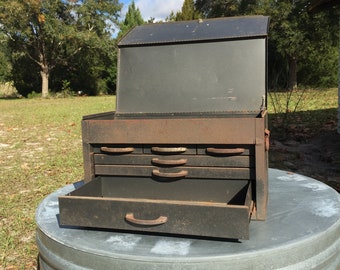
[
  {"x": 170, "y": 131},
  {"x": 178, "y": 160},
  {"x": 219, "y": 153},
  {"x": 189, "y": 139},
  {"x": 192, "y": 172},
  {"x": 182, "y": 216}
]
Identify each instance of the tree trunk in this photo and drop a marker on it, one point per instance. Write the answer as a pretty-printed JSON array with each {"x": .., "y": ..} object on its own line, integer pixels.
[
  {"x": 44, "y": 85},
  {"x": 292, "y": 83}
]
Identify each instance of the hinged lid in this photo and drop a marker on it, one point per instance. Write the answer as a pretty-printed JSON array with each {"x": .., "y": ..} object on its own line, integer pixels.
[{"x": 213, "y": 65}]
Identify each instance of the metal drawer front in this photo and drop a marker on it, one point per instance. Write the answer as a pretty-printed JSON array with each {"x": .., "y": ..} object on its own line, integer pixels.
[
  {"x": 175, "y": 160},
  {"x": 192, "y": 172},
  {"x": 157, "y": 215}
]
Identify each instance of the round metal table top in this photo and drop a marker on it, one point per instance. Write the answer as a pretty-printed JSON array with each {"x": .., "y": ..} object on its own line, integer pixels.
[{"x": 301, "y": 231}]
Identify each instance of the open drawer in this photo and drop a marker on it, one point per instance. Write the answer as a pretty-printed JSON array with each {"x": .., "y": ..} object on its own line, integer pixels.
[{"x": 213, "y": 208}]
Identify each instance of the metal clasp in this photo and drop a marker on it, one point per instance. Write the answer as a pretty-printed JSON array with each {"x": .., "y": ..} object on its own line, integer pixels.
[{"x": 266, "y": 139}]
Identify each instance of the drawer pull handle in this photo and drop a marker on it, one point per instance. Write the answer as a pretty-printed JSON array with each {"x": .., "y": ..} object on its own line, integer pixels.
[
  {"x": 117, "y": 150},
  {"x": 168, "y": 149},
  {"x": 147, "y": 222},
  {"x": 225, "y": 151},
  {"x": 169, "y": 161},
  {"x": 170, "y": 174}
]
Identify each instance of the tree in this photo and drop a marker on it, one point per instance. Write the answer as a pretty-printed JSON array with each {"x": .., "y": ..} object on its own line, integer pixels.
[
  {"x": 51, "y": 32},
  {"x": 298, "y": 40},
  {"x": 248, "y": 7},
  {"x": 298, "y": 37},
  {"x": 188, "y": 12},
  {"x": 5, "y": 64},
  {"x": 217, "y": 8},
  {"x": 132, "y": 18}
]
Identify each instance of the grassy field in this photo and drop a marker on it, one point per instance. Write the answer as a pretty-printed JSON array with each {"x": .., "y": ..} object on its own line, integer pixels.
[{"x": 41, "y": 151}]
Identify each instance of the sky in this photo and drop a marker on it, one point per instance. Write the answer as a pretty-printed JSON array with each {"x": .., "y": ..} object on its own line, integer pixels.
[{"x": 158, "y": 9}]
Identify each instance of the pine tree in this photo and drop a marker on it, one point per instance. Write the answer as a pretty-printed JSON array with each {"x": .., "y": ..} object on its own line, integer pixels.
[
  {"x": 132, "y": 18},
  {"x": 188, "y": 12}
]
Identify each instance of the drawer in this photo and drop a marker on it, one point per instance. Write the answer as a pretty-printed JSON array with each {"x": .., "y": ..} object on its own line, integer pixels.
[
  {"x": 96, "y": 205},
  {"x": 176, "y": 172},
  {"x": 119, "y": 149},
  {"x": 213, "y": 150},
  {"x": 176, "y": 160}
]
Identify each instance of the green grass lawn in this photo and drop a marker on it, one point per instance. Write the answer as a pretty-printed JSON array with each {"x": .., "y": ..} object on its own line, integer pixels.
[{"x": 41, "y": 151}]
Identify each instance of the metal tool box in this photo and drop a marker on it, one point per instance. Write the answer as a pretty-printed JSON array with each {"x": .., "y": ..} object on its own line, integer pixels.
[{"x": 185, "y": 152}]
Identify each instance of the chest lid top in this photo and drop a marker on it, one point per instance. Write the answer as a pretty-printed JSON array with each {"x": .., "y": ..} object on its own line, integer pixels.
[{"x": 214, "y": 65}]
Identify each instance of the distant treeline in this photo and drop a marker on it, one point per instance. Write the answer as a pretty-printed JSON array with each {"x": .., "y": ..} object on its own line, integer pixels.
[{"x": 71, "y": 46}]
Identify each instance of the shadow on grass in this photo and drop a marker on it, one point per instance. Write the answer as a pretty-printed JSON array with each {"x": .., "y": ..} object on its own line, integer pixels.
[
  {"x": 307, "y": 142},
  {"x": 302, "y": 125}
]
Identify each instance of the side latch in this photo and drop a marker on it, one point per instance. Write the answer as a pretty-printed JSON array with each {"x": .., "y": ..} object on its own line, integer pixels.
[{"x": 266, "y": 139}]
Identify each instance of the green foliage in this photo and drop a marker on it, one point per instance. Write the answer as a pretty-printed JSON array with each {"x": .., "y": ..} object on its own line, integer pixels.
[
  {"x": 25, "y": 74},
  {"x": 188, "y": 12},
  {"x": 90, "y": 71},
  {"x": 5, "y": 64},
  {"x": 320, "y": 68},
  {"x": 306, "y": 39},
  {"x": 303, "y": 47},
  {"x": 217, "y": 8},
  {"x": 133, "y": 18},
  {"x": 66, "y": 86},
  {"x": 33, "y": 94},
  {"x": 51, "y": 33}
]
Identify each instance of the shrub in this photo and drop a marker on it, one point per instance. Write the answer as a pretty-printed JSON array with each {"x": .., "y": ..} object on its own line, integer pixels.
[{"x": 7, "y": 90}]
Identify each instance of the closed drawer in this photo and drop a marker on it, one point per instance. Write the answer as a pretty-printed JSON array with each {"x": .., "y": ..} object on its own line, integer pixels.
[
  {"x": 226, "y": 150},
  {"x": 119, "y": 149},
  {"x": 91, "y": 206},
  {"x": 174, "y": 173},
  {"x": 176, "y": 160}
]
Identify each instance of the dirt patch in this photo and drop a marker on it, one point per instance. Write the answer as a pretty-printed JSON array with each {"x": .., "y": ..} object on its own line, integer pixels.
[{"x": 317, "y": 157}]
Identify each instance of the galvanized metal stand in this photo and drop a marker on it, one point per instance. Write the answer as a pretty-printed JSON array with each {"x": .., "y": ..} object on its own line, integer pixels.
[{"x": 301, "y": 232}]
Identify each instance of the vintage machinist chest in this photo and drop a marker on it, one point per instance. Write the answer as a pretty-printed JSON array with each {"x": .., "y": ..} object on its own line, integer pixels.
[{"x": 185, "y": 152}]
